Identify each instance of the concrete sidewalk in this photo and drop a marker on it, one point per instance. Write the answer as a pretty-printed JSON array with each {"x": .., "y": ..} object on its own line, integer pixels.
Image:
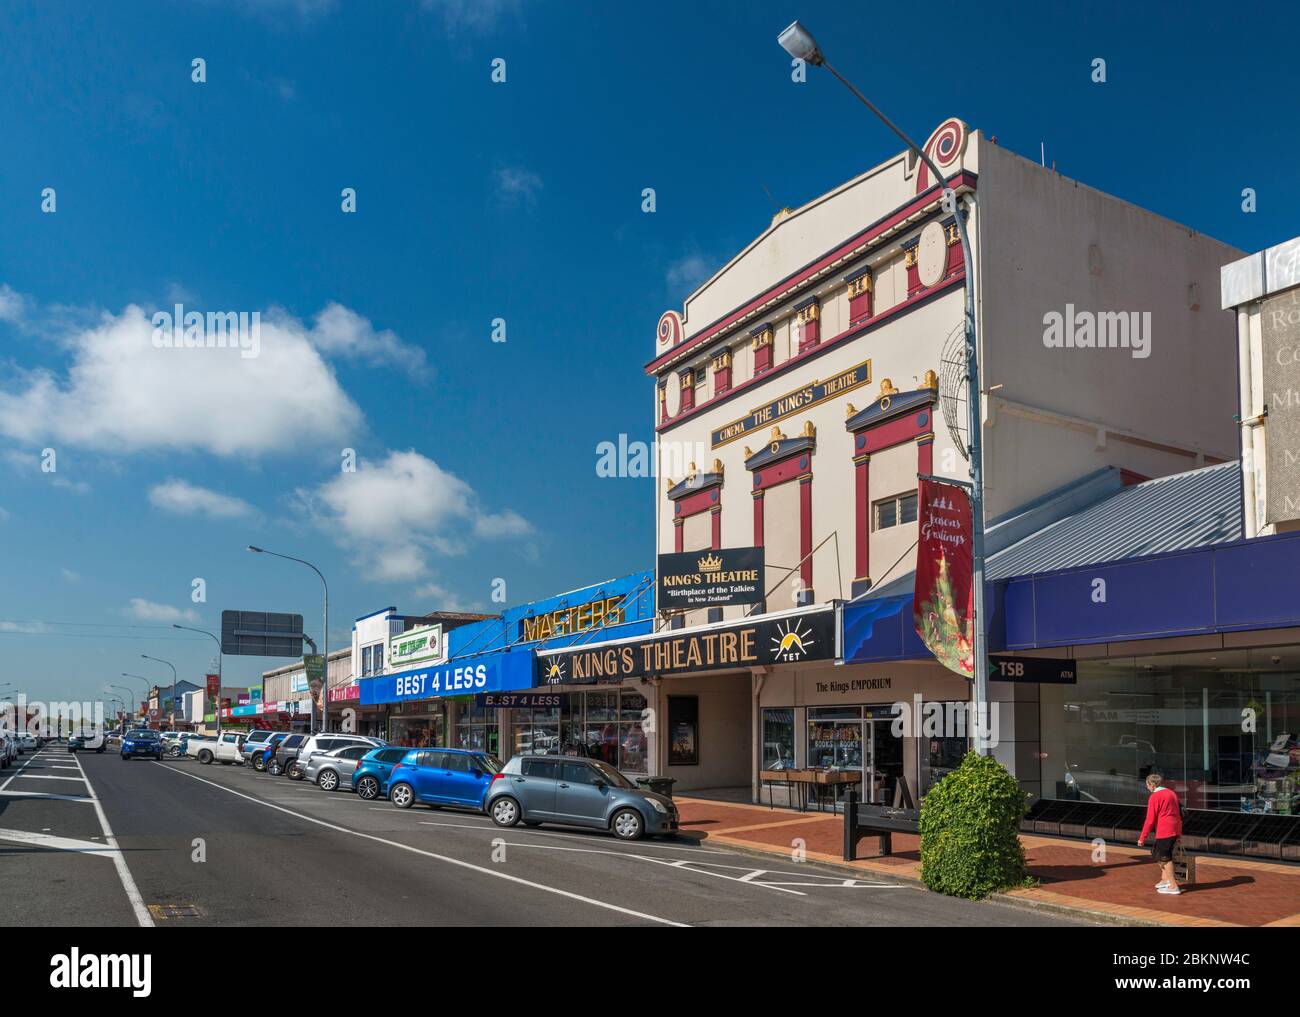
[{"x": 1227, "y": 891}]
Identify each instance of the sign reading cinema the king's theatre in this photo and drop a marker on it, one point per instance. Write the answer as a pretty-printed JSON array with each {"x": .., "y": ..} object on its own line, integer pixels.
[
  {"x": 695, "y": 579},
  {"x": 786, "y": 639},
  {"x": 793, "y": 402}
]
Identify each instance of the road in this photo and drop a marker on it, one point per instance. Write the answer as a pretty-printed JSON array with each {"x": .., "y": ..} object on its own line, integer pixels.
[{"x": 91, "y": 840}]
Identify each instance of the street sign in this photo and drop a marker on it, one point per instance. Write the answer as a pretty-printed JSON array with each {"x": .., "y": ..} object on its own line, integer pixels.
[
  {"x": 1032, "y": 670},
  {"x": 261, "y": 634}
]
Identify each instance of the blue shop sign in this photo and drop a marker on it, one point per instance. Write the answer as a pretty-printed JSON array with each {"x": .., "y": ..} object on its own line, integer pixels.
[{"x": 492, "y": 672}]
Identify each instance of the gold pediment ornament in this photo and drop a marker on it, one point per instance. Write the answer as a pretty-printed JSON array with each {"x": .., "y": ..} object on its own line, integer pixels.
[
  {"x": 717, "y": 467},
  {"x": 931, "y": 381},
  {"x": 809, "y": 429},
  {"x": 850, "y": 409}
]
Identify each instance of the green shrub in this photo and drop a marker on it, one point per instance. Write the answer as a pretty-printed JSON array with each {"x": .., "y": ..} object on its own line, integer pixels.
[{"x": 970, "y": 824}]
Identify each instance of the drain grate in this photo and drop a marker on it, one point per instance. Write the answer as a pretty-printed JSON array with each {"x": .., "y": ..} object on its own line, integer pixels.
[{"x": 165, "y": 911}]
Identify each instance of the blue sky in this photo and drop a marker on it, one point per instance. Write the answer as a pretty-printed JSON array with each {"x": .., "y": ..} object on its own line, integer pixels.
[{"x": 475, "y": 201}]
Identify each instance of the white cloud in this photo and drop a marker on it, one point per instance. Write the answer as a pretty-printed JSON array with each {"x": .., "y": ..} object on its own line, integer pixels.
[
  {"x": 340, "y": 332},
  {"x": 394, "y": 514},
  {"x": 184, "y": 498},
  {"x": 516, "y": 186},
  {"x": 148, "y": 610},
  {"x": 472, "y": 15},
  {"x": 686, "y": 273},
  {"x": 120, "y": 393},
  {"x": 12, "y": 304},
  {"x": 69, "y": 575}
]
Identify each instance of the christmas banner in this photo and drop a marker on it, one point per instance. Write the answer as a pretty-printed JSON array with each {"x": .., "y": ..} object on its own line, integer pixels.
[{"x": 944, "y": 600}]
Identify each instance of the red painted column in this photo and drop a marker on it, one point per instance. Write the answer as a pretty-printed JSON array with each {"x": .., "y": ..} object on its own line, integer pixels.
[
  {"x": 806, "y": 530},
  {"x": 678, "y": 535},
  {"x": 716, "y": 513},
  {"x": 925, "y": 453},
  {"x": 758, "y": 518},
  {"x": 862, "y": 517}
]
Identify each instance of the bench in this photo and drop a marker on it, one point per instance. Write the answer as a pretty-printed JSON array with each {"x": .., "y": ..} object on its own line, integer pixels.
[{"x": 881, "y": 821}]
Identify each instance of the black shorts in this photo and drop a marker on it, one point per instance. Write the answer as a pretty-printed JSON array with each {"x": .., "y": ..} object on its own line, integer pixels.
[{"x": 1163, "y": 849}]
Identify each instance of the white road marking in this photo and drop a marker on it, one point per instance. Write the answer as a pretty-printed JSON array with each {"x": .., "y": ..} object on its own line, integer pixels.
[
  {"x": 43, "y": 776},
  {"x": 56, "y": 843},
  {"x": 437, "y": 857},
  {"x": 119, "y": 861},
  {"x": 46, "y": 794}
]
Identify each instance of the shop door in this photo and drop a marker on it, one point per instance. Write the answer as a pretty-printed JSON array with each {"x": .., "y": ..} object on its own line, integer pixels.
[{"x": 883, "y": 771}]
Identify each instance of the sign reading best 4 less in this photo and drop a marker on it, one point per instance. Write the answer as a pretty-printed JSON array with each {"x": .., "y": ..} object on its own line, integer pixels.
[{"x": 415, "y": 646}]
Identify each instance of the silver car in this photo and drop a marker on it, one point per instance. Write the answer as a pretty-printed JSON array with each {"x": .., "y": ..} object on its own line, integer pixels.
[
  {"x": 332, "y": 770},
  {"x": 577, "y": 792}
]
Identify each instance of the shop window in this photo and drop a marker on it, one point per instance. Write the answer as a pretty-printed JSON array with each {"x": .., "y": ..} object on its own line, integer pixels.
[
  {"x": 476, "y": 729},
  {"x": 895, "y": 511},
  {"x": 835, "y": 738},
  {"x": 778, "y": 739}
]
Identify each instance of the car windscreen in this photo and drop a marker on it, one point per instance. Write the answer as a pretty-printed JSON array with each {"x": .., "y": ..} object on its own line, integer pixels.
[{"x": 144, "y": 736}]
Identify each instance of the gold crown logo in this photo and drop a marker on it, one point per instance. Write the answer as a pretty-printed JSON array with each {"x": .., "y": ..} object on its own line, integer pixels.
[{"x": 710, "y": 563}]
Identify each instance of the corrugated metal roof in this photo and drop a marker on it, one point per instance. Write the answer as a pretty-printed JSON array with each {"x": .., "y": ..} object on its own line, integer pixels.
[{"x": 1194, "y": 509}]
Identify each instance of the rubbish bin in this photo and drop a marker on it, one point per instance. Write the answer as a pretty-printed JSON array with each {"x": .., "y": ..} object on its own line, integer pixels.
[{"x": 659, "y": 785}]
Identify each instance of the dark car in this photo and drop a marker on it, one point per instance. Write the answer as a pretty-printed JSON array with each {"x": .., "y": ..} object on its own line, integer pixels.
[
  {"x": 142, "y": 742},
  {"x": 442, "y": 777},
  {"x": 286, "y": 754},
  {"x": 371, "y": 778},
  {"x": 262, "y": 754},
  {"x": 577, "y": 792}
]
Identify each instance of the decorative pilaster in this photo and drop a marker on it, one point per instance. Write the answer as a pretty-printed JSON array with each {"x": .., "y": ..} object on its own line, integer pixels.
[
  {"x": 760, "y": 340},
  {"x": 861, "y": 286},
  {"x": 721, "y": 366},
  {"x": 807, "y": 323}
]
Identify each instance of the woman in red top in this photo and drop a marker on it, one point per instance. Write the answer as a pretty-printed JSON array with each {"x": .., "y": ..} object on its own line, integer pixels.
[{"x": 1165, "y": 816}]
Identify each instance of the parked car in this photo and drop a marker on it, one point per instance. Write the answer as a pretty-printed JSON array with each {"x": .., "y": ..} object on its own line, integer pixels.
[
  {"x": 255, "y": 741},
  {"x": 334, "y": 769},
  {"x": 328, "y": 743},
  {"x": 8, "y": 749},
  {"x": 577, "y": 792},
  {"x": 286, "y": 755},
  {"x": 261, "y": 757},
  {"x": 75, "y": 742},
  {"x": 224, "y": 750},
  {"x": 27, "y": 742},
  {"x": 370, "y": 779},
  {"x": 189, "y": 743},
  {"x": 442, "y": 777},
  {"x": 142, "y": 742}
]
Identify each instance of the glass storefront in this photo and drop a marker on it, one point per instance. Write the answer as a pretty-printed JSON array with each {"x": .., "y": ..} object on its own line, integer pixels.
[
  {"x": 1223, "y": 727},
  {"x": 778, "y": 739},
  {"x": 858, "y": 738},
  {"x": 604, "y": 725},
  {"x": 476, "y": 728},
  {"x": 419, "y": 731}
]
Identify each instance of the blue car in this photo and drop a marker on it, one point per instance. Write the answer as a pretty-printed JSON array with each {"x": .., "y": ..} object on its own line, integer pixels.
[
  {"x": 142, "y": 742},
  {"x": 371, "y": 777},
  {"x": 442, "y": 777}
]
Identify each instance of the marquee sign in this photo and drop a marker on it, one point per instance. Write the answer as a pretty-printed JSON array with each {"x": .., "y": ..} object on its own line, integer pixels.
[
  {"x": 794, "y": 402},
  {"x": 786, "y": 640},
  {"x": 566, "y": 621}
]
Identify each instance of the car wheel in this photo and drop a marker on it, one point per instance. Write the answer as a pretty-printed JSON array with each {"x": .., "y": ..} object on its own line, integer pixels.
[
  {"x": 368, "y": 789},
  {"x": 259, "y": 764},
  {"x": 205, "y": 756},
  {"x": 627, "y": 824},
  {"x": 402, "y": 795},
  {"x": 506, "y": 811},
  {"x": 295, "y": 771},
  {"x": 328, "y": 780}
]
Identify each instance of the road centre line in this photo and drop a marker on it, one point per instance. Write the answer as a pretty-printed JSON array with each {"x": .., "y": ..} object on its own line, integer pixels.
[{"x": 430, "y": 854}]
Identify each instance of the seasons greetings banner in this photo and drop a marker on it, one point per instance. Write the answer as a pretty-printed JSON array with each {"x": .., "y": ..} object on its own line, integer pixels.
[{"x": 944, "y": 599}]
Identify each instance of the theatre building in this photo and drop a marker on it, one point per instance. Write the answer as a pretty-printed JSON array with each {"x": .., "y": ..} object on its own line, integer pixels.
[{"x": 804, "y": 386}]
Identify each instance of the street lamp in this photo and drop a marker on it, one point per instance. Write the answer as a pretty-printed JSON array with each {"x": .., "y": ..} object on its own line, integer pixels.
[
  {"x": 799, "y": 43},
  {"x": 325, "y": 634},
  {"x": 129, "y": 696},
  {"x": 173, "y": 667},
  {"x": 216, "y": 707}
]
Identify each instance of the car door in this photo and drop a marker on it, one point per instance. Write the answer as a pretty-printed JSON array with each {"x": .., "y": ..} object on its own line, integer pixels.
[
  {"x": 578, "y": 799},
  {"x": 383, "y": 765},
  {"x": 462, "y": 779},
  {"x": 536, "y": 785},
  {"x": 423, "y": 775},
  {"x": 348, "y": 761}
]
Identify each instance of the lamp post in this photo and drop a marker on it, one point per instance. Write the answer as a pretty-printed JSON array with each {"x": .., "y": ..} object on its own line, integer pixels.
[
  {"x": 139, "y": 677},
  {"x": 799, "y": 43},
  {"x": 129, "y": 694},
  {"x": 216, "y": 707},
  {"x": 325, "y": 634},
  {"x": 173, "y": 667}
]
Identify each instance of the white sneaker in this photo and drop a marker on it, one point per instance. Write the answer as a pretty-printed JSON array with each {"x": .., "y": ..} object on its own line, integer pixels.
[
  {"x": 1170, "y": 890},
  {"x": 1162, "y": 884}
]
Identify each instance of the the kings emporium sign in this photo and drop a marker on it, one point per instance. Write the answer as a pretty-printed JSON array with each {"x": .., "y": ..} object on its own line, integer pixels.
[{"x": 788, "y": 639}]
